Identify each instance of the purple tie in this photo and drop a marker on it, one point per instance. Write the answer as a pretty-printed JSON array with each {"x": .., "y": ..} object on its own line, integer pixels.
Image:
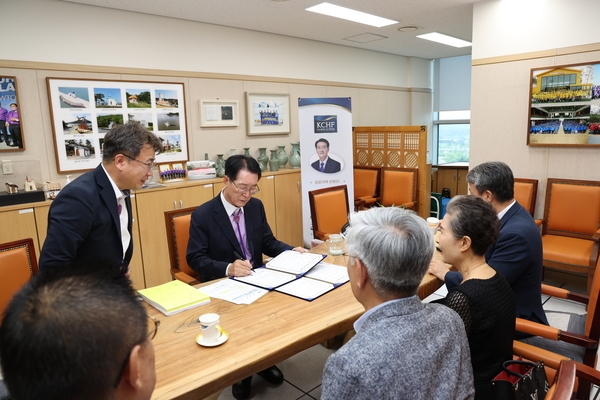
[
  {"x": 119, "y": 208},
  {"x": 322, "y": 168},
  {"x": 240, "y": 233}
]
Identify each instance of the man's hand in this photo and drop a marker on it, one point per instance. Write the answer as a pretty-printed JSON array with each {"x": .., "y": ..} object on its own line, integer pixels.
[
  {"x": 439, "y": 269},
  {"x": 300, "y": 249},
  {"x": 240, "y": 268}
]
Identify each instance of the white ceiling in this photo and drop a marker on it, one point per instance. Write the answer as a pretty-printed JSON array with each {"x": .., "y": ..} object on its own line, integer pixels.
[{"x": 289, "y": 18}]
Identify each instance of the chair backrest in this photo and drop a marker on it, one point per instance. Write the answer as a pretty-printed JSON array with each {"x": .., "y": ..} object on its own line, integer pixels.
[
  {"x": 572, "y": 208},
  {"x": 564, "y": 382},
  {"x": 366, "y": 181},
  {"x": 178, "y": 235},
  {"x": 526, "y": 193},
  {"x": 18, "y": 264},
  {"x": 398, "y": 186},
  {"x": 329, "y": 209}
]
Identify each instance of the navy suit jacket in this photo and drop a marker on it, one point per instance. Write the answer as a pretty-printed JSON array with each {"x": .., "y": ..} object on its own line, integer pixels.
[
  {"x": 330, "y": 167},
  {"x": 83, "y": 223},
  {"x": 213, "y": 242},
  {"x": 517, "y": 255}
]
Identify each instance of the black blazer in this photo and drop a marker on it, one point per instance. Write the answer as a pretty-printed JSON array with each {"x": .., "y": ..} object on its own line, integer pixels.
[
  {"x": 83, "y": 223},
  {"x": 517, "y": 255},
  {"x": 212, "y": 240},
  {"x": 330, "y": 167}
]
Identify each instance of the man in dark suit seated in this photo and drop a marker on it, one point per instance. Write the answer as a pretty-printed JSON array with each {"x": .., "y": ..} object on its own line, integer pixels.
[
  {"x": 228, "y": 236},
  {"x": 517, "y": 254},
  {"x": 325, "y": 163},
  {"x": 80, "y": 333},
  {"x": 403, "y": 348},
  {"x": 91, "y": 216}
]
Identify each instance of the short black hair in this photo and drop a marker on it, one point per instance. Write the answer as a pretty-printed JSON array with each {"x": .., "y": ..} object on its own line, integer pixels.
[
  {"x": 67, "y": 333},
  {"x": 129, "y": 139},
  {"x": 322, "y": 140},
  {"x": 475, "y": 218},
  {"x": 494, "y": 176},
  {"x": 238, "y": 162}
]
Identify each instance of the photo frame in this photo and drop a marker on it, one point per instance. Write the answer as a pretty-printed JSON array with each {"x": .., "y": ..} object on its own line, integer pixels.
[
  {"x": 219, "y": 113},
  {"x": 564, "y": 106},
  {"x": 11, "y": 124},
  {"x": 267, "y": 114},
  {"x": 83, "y": 111},
  {"x": 172, "y": 172}
]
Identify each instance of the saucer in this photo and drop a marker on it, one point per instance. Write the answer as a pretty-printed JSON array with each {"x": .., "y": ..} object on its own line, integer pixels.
[{"x": 222, "y": 339}]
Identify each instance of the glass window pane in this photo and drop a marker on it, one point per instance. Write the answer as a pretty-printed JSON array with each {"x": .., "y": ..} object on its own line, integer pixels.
[{"x": 453, "y": 143}]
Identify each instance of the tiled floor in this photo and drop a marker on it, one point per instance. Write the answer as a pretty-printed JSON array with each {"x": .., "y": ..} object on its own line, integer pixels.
[{"x": 304, "y": 370}]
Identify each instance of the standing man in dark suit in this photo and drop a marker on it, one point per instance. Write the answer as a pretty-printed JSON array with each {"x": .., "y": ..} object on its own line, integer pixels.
[
  {"x": 91, "y": 216},
  {"x": 517, "y": 254},
  {"x": 325, "y": 163},
  {"x": 228, "y": 236}
]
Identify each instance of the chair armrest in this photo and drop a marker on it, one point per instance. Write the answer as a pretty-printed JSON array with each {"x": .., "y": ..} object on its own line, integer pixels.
[
  {"x": 587, "y": 373},
  {"x": 538, "y": 222},
  {"x": 537, "y": 354},
  {"x": 183, "y": 277},
  {"x": 409, "y": 205},
  {"x": 537, "y": 329},
  {"x": 321, "y": 235},
  {"x": 596, "y": 236},
  {"x": 564, "y": 294}
]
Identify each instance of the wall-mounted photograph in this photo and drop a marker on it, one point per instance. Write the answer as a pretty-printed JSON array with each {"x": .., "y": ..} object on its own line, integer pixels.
[
  {"x": 11, "y": 126},
  {"x": 268, "y": 114},
  {"x": 83, "y": 111},
  {"x": 219, "y": 113},
  {"x": 564, "y": 106}
]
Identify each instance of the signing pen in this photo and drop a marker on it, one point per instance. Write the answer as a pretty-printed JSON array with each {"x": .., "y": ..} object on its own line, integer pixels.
[{"x": 239, "y": 257}]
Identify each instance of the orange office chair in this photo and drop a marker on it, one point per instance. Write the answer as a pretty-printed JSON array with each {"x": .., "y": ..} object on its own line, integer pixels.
[
  {"x": 526, "y": 193},
  {"x": 18, "y": 264},
  {"x": 399, "y": 187},
  {"x": 366, "y": 187},
  {"x": 328, "y": 210},
  {"x": 578, "y": 342},
  {"x": 571, "y": 226},
  {"x": 564, "y": 382},
  {"x": 178, "y": 234}
]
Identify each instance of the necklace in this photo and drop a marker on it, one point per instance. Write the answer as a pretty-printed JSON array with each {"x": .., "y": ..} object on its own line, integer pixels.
[{"x": 469, "y": 273}]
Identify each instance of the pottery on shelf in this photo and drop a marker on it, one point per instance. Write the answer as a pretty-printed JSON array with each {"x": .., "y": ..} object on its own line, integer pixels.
[
  {"x": 247, "y": 151},
  {"x": 295, "y": 159},
  {"x": 220, "y": 165},
  {"x": 263, "y": 158},
  {"x": 282, "y": 156},
  {"x": 274, "y": 161}
]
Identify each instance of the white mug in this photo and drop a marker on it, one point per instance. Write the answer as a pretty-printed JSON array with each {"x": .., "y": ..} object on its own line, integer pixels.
[
  {"x": 433, "y": 223},
  {"x": 209, "y": 325}
]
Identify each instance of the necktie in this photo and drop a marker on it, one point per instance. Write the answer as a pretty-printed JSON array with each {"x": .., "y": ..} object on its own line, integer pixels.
[
  {"x": 123, "y": 222},
  {"x": 240, "y": 232},
  {"x": 322, "y": 167}
]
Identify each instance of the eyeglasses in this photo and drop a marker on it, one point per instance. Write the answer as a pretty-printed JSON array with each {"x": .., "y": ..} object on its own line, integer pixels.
[
  {"x": 149, "y": 165},
  {"x": 251, "y": 190},
  {"x": 152, "y": 328}
]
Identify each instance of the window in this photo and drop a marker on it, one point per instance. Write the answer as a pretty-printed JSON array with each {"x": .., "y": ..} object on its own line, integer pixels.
[{"x": 451, "y": 136}]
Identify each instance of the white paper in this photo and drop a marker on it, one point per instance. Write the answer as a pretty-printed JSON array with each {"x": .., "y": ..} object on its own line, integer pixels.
[
  {"x": 234, "y": 292},
  {"x": 306, "y": 288},
  {"x": 294, "y": 262},
  {"x": 266, "y": 278},
  {"x": 212, "y": 113},
  {"x": 329, "y": 273}
]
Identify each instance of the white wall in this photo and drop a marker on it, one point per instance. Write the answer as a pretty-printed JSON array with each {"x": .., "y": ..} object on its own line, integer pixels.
[{"x": 452, "y": 84}]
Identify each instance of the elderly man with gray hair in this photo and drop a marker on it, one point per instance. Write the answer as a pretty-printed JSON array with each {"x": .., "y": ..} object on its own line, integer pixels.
[{"x": 403, "y": 348}]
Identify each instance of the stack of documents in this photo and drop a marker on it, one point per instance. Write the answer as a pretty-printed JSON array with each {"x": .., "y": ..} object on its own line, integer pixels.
[{"x": 173, "y": 297}]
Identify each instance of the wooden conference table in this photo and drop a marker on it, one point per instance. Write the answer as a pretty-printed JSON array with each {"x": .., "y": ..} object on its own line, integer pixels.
[{"x": 261, "y": 334}]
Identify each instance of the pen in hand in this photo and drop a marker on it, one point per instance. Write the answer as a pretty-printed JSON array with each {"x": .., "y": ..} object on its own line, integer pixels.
[{"x": 239, "y": 257}]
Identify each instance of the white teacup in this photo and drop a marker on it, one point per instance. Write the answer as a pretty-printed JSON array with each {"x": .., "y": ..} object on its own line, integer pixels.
[
  {"x": 335, "y": 245},
  {"x": 209, "y": 325},
  {"x": 433, "y": 223}
]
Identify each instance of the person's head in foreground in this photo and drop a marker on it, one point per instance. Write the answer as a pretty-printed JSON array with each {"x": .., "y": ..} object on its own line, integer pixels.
[
  {"x": 78, "y": 333},
  {"x": 390, "y": 249}
]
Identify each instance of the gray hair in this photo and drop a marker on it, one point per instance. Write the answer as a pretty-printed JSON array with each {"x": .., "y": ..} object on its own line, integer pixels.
[
  {"x": 494, "y": 176},
  {"x": 129, "y": 139},
  {"x": 396, "y": 246}
]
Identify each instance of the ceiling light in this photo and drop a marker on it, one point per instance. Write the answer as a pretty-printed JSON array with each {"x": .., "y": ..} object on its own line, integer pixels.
[
  {"x": 351, "y": 15},
  {"x": 408, "y": 28},
  {"x": 444, "y": 39}
]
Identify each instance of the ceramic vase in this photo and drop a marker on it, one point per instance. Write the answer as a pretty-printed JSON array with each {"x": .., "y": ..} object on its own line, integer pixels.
[
  {"x": 247, "y": 151},
  {"x": 282, "y": 156},
  {"x": 262, "y": 158},
  {"x": 295, "y": 156},
  {"x": 274, "y": 161},
  {"x": 220, "y": 165}
]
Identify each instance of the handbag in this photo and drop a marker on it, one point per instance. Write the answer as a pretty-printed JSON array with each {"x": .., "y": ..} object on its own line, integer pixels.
[{"x": 520, "y": 380}]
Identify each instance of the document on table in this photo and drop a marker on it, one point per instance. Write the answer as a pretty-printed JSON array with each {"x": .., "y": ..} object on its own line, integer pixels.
[
  {"x": 306, "y": 288},
  {"x": 331, "y": 273},
  {"x": 294, "y": 262},
  {"x": 233, "y": 291},
  {"x": 266, "y": 278}
]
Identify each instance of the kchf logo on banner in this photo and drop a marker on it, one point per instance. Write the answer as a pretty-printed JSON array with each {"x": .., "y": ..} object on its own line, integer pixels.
[{"x": 326, "y": 150}]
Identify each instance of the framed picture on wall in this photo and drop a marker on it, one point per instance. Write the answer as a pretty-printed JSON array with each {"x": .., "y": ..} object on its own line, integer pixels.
[
  {"x": 219, "y": 113},
  {"x": 564, "y": 106},
  {"x": 11, "y": 125},
  {"x": 83, "y": 111},
  {"x": 268, "y": 114}
]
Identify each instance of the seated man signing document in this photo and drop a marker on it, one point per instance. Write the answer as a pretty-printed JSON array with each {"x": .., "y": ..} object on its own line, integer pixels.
[{"x": 228, "y": 236}]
